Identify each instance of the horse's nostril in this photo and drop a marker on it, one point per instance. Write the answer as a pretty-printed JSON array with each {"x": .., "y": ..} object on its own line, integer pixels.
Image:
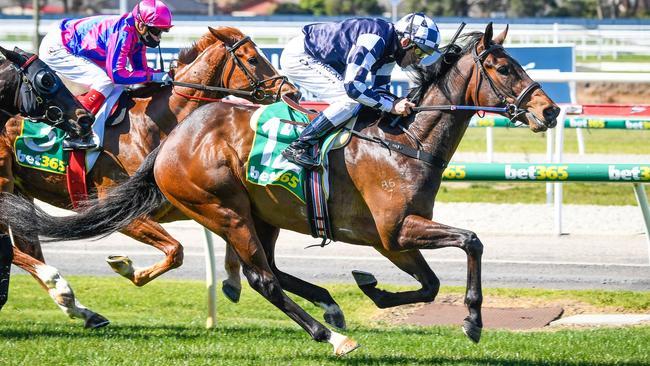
[{"x": 551, "y": 113}]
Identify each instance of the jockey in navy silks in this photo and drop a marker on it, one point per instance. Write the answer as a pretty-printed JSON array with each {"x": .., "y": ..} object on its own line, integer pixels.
[
  {"x": 333, "y": 60},
  {"x": 102, "y": 51}
]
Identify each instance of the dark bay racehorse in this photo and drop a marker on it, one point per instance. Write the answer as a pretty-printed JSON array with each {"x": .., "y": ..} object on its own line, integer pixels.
[
  {"x": 224, "y": 58},
  {"x": 379, "y": 198}
]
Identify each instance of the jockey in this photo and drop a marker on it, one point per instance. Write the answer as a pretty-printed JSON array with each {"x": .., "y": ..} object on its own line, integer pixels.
[
  {"x": 333, "y": 60},
  {"x": 95, "y": 51}
]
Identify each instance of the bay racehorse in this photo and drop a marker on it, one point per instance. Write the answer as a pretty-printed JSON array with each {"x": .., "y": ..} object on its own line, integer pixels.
[
  {"x": 221, "y": 62},
  {"x": 379, "y": 197}
]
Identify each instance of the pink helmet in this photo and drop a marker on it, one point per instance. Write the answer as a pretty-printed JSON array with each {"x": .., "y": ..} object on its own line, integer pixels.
[{"x": 153, "y": 13}]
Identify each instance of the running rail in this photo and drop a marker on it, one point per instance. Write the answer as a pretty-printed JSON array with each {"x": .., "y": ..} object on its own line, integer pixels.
[{"x": 637, "y": 174}]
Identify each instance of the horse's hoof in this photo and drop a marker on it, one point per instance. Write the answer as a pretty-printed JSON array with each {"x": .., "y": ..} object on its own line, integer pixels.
[
  {"x": 121, "y": 264},
  {"x": 471, "y": 330},
  {"x": 96, "y": 321},
  {"x": 364, "y": 279},
  {"x": 347, "y": 346},
  {"x": 231, "y": 292},
  {"x": 335, "y": 319}
]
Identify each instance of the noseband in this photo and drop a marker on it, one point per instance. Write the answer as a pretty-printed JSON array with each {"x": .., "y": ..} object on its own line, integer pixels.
[
  {"x": 513, "y": 110},
  {"x": 258, "y": 93}
]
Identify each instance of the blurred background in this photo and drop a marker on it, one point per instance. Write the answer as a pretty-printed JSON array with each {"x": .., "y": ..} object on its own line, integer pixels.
[{"x": 585, "y": 35}]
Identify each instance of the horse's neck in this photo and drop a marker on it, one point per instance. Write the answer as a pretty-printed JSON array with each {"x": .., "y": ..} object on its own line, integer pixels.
[{"x": 442, "y": 131}]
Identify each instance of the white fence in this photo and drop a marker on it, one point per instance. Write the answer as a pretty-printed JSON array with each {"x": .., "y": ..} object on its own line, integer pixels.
[{"x": 604, "y": 40}]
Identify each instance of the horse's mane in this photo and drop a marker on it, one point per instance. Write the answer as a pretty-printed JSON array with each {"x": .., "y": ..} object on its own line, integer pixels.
[
  {"x": 187, "y": 55},
  {"x": 438, "y": 72}
]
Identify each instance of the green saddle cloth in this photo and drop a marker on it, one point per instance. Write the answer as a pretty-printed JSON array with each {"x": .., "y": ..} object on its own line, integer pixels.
[
  {"x": 266, "y": 165},
  {"x": 39, "y": 146}
]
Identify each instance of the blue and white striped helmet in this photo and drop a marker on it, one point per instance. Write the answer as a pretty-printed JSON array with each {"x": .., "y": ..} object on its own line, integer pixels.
[{"x": 420, "y": 29}]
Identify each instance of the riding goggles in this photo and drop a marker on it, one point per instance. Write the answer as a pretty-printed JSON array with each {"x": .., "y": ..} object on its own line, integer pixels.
[{"x": 156, "y": 31}]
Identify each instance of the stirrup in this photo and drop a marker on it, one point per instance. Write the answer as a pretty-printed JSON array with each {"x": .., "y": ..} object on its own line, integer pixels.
[{"x": 301, "y": 157}]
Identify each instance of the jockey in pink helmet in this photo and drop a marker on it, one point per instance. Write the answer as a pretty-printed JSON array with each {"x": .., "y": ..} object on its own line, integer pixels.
[{"x": 102, "y": 51}]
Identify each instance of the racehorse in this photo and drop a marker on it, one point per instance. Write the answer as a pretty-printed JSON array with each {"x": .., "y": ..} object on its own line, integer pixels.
[
  {"x": 379, "y": 197},
  {"x": 221, "y": 62}
]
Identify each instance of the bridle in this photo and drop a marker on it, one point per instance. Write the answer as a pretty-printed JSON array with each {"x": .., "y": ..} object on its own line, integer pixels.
[
  {"x": 258, "y": 93},
  {"x": 513, "y": 110},
  {"x": 52, "y": 113}
]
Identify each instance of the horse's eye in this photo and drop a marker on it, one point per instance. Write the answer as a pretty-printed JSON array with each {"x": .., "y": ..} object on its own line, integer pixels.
[
  {"x": 503, "y": 70},
  {"x": 252, "y": 61}
]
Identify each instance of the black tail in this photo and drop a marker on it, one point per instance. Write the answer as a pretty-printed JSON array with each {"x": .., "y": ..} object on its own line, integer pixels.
[{"x": 137, "y": 196}]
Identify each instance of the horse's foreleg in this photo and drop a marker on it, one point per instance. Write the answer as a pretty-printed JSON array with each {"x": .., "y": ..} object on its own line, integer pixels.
[
  {"x": 6, "y": 256},
  {"x": 411, "y": 262},
  {"x": 149, "y": 232},
  {"x": 59, "y": 289},
  {"x": 419, "y": 233},
  {"x": 231, "y": 286}
]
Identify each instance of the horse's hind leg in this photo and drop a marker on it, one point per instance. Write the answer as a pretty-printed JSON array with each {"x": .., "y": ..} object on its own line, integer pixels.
[
  {"x": 333, "y": 315},
  {"x": 411, "y": 262},
  {"x": 235, "y": 225},
  {"x": 231, "y": 286},
  {"x": 419, "y": 233},
  {"x": 6, "y": 256},
  {"x": 152, "y": 233},
  {"x": 58, "y": 288}
]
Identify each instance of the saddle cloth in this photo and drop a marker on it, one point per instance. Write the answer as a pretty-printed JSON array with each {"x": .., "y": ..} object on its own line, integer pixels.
[
  {"x": 39, "y": 146},
  {"x": 276, "y": 126}
]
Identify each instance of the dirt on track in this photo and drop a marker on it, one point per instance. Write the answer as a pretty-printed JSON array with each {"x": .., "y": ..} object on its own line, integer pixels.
[{"x": 413, "y": 314}]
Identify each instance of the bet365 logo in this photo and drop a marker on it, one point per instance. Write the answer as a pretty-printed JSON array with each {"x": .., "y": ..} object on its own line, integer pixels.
[
  {"x": 537, "y": 172},
  {"x": 641, "y": 173}
]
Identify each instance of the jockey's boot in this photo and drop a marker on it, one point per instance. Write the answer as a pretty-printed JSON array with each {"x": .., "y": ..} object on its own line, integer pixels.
[
  {"x": 301, "y": 150},
  {"x": 81, "y": 139}
]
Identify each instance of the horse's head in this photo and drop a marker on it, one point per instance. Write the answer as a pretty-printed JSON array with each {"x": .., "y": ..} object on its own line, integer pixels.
[
  {"x": 41, "y": 94},
  {"x": 233, "y": 61},
  {"x": 499, "y": 80},
  {"x": 9, "y": 86}
]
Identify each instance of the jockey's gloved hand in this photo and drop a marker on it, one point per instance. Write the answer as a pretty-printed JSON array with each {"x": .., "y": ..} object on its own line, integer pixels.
[{"x": 161, "y": 77}]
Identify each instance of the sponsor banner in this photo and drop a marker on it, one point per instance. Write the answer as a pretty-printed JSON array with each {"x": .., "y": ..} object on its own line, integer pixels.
[
  {"x": 527, "y": 172},
  {"x": 621, "y": 123}
]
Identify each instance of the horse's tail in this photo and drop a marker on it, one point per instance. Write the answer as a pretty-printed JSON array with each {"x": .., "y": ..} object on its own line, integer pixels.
[{"x": 137, "y": 196}]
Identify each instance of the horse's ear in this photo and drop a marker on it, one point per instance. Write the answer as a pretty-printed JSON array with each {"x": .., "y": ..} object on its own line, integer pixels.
[
  {"x": 501, "y": 37},
  {"x": 12, "y": 56},
  {"x": 487, "y": 36},
  {"x": 224, "y": 37}
]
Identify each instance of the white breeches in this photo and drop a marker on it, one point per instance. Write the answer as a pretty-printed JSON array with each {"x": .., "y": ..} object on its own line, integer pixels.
[
  {"x": 318, "y": 79},
  {"x": 75, "y": 68}
]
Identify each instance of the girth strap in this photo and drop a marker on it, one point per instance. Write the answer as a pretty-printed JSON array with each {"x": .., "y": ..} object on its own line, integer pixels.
[{"x": 405, "y": 150}]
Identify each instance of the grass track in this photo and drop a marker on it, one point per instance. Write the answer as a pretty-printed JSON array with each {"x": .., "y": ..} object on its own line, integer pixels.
[{"x": 162, "y": 324}]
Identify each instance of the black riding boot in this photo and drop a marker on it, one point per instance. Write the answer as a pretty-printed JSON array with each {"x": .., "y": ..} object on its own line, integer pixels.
[
  {"x": 301, "y": 150},
  {"x": 6, "y": 256},
  {"x": 80, "y": 138}
]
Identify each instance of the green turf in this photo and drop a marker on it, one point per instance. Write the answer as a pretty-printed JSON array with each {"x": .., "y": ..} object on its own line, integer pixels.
[
  {"x": 522, "y": 140},
  {"x": 162, "y": 324}
]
